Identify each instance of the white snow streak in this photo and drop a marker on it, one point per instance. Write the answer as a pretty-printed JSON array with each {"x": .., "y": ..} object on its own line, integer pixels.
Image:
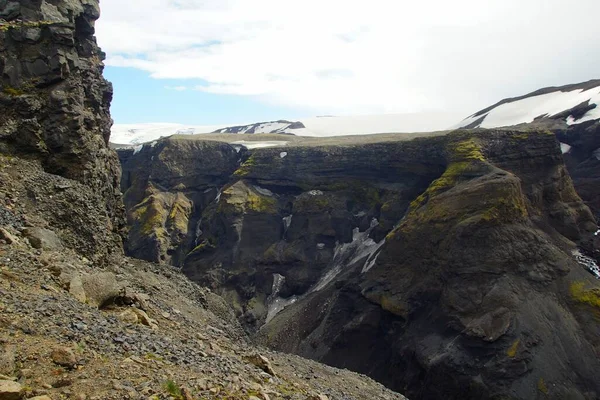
[
  {"x": 545, "y": 105},
  {"x": 565, "y": 148}
]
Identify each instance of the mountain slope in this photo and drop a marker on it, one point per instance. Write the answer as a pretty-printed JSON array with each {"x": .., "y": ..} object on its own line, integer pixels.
[{"x": 572, "y": 104}]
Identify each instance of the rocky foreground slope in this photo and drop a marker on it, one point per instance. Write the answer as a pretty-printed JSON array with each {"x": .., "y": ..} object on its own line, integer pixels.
[{"x": 443, "y": 266}]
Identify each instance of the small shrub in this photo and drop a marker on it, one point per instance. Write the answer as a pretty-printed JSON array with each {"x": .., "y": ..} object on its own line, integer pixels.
[{"x": 171, "y": 387}]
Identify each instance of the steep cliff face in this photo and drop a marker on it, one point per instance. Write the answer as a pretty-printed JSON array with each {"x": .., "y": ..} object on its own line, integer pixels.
[
  {"x": 167, "y": 185},
  {"x": 53, "y": 98},
  {"x": 475, "y": 294},
  {"x": 441, "y": 266}
]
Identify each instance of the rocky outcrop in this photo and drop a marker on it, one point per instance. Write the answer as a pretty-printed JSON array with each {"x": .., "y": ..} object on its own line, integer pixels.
[
  {"x": 577, "y": 127},
  {"x": 54, "y": 102},
  {"x": 166, "y": 187},
  {"x": 441, "y": 266}
]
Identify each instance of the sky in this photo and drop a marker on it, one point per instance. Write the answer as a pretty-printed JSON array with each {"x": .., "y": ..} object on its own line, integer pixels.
[{"x": 228, "y": 61}]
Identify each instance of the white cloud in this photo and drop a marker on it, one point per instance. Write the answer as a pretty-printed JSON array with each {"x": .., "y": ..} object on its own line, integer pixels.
[
  {"x": 177, "y": 88},
  {"x": 346, "y": 56}
]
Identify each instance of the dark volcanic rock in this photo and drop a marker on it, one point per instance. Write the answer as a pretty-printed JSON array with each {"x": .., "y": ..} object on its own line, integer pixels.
[
  {"x": 582, "y": 156},
  {"x": 166, "y": 187},
  {"x": 54, "y": 102},
  {"x": 474, "y": 288}
]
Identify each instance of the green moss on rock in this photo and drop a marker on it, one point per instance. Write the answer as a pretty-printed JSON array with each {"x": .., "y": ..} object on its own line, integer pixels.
[
  {"x": 246, "y": 167},
  {"x": 581, "y": 295},
  {"x": 261, "y": 204}
]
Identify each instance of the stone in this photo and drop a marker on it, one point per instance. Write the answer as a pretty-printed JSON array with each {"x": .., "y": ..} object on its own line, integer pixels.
[
  {"x": 186, "y": 394},
  {"x": 145, "y": 319},
  {"x": 76, "y": 289},
  {"x": 6, "y": 236},
  {"x": 101, "y": 288},
  {"x": 64, "y": 357},
  {"x": 128, "y": 317},
  {"x": 44, "y": 397},
  {"x": 41, "y": 238},
  {"x": 7, "y": 360},
  {"x": 10, "y": 390},
  {"x": 261, "y": 362}
]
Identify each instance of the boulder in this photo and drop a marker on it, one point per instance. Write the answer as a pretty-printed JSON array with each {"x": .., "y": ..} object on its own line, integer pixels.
[
  {"x": 128, "y": 317},
  {"x": 64, "y": 357},
  {"x": 7, "y": 360},
  {"x": 10, "y": 390},
  {"x": 41, "y": 238},
  {"x": 101, "y": 288},
  {"x": 261, "y": 362},
  {"x": 7, "y": 236},
  {"x": 76, "y": 288}
]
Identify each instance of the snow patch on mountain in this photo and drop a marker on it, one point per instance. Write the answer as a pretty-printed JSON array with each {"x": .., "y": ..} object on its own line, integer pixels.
[
  {"x": 526, "y": 110},
  {"x": 133, "y": 134},
  {"x": 564, "y": 148},
  {"x": 264, "y": 127}
]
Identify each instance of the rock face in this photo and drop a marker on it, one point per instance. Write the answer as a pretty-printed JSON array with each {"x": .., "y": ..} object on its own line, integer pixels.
[
  {"x": 440, "y": 266},
  {"x": 54, "y": 102},
  {"x": 572, "y": 113},
  {"x": 166, "y": 187}
]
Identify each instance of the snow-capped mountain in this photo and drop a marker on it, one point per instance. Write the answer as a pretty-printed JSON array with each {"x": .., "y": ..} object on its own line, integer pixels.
[
  {"x": 142, "y": 133},
  {"x": 281, "y": 126},
  {"x": 316, "y": 126},
  {"x": 572, "y": 104}
]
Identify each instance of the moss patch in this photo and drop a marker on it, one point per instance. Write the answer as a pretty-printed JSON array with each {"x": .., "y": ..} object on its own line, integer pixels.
[
  {"x": 246, "y": 167},
  {"x": 150, "y": 216},
  {"x": 512, "y": 350},
  {"x": 261, "y": 204},
  {"x": 581, "y": 295},
  {"x": 466, "y": 150},
  {"x": 5, "y": 26},
  {"x": 12, "y": 91},
  {"x": 541, "y": 386}
]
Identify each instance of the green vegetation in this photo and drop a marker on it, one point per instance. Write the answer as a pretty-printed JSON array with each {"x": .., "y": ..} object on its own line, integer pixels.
[
  {"x": 152, "y": 356},
  {"x": 12, "y": 91},
  {"x": 246, "y": 167},
  {"x": 542, "y": 386},
  {"x": 5, "y": 26},
  {"x": 504, "y": 207},
  {"x": 581, "y": 295},
  {"x": 512, "y": 350},
  {"x": 150, "y": 217},
  {"x": 179, "y": 214},
  {"x": 261, "y": 204},
  {"x": 171, "y": 387},
  {"x": 466, "y": 150},
  {"x": 465, "y": 156},
  {"x": 205, "y": 245}
]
